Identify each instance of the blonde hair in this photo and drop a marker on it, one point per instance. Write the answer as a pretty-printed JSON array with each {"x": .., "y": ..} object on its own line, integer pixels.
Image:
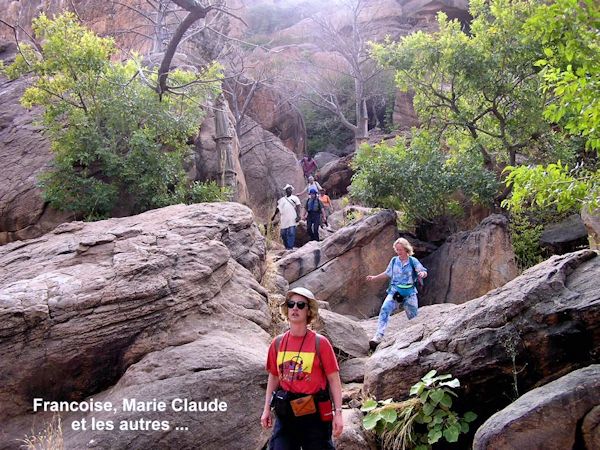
[
  {"x": 313, "y": 309},
  {"x": 404, "y": 243}
]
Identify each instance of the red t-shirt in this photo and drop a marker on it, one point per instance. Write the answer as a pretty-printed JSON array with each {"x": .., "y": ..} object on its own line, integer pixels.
[{"x": 301, "y": 370}]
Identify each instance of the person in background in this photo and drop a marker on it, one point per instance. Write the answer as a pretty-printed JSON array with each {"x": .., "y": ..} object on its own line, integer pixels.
[
  {"x": 302, "y": 364},
  {"x": 404, "y": 272},
  {"x": 315, "y": 211},
  {"x": 289, "y": 208},
  {"x": 309, "y": 166},
  {"x": 327, "y": 204},
  {"x": 312, "y": 184}
]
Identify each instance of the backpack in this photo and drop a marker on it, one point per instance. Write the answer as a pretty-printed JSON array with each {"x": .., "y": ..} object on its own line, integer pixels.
[{"x": 319, "y": 205}]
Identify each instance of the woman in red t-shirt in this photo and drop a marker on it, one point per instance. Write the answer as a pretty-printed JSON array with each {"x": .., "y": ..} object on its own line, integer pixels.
[{"x": 302, "y": 363}]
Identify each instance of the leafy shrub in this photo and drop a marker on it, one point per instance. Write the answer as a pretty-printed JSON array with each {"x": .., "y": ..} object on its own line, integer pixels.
[
  {"x": 417, "y": 180},
  {"x": 115, "y": 139},
  {"x": 209, "y": 191},
  {"x": 423, "y": 419},
  {"x": 526, "y": 241}
]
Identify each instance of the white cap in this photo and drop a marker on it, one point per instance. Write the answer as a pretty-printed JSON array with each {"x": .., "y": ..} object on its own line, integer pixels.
[
  {"x": 288, "y": 186},
  {"x": 301, "y": 291}
]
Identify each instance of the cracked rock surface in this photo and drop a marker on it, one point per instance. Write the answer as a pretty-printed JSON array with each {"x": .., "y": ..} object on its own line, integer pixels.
[
  {"x": 538, "y": 327},
  {"x": 164, "y": 305}
]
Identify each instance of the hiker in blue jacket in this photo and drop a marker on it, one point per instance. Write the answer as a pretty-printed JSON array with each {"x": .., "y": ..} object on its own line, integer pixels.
[
  {"x": 315, "y": 214},
  {"x": 404, "y": 272}
]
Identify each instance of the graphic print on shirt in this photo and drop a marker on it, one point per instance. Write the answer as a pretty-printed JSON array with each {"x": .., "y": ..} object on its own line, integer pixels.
[{"x": 296, "y": 367}]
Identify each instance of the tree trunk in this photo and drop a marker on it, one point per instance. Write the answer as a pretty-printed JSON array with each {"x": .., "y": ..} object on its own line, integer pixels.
[
  {"x": 361, "y": 134},
  {"x": 224, "y": 144}
]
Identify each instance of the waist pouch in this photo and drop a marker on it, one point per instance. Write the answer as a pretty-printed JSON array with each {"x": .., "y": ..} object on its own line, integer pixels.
[
  {"x": 303, "y": 406},
  {"x": 404, "y": 290},
  {"x": 289, "y": 404}
]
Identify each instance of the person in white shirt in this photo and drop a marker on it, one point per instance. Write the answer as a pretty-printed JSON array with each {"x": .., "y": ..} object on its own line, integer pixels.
[{"x": 289, "y": 209}]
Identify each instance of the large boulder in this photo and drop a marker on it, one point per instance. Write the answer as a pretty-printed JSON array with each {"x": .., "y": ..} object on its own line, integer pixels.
[
  {"x": 268, "y": 166},
  {"x": 534, "y": 329},
  {"x": 24, "y": 154},
  {"x": 162, "y": 305},
  {"x": 549, "y": 417},
  {"x": 335, "y": 269},
  {"x": 591, "y": 220},
  {"x": 344, "y": 333},
  {"x": 354, "y": 436},
  {"x": 565, "y": 236},
  {"x": 325, "y": 157},
  {"x": 470, "y": 263},
  {"x": 274, "y": 113},
  {"x": 336, "y": 176}
]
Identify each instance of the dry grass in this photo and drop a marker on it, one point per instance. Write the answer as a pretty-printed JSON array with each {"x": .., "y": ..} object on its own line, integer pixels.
[
  {"x": 401, "y": 436},
  {"x": 50, "y": 438},
  {"x": 275, "y": 298}
]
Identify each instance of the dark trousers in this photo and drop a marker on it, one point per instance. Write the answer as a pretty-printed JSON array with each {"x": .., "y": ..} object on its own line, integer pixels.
[
  {"x": 313, "y": 222},
  {"x": 305, "y": 432}
]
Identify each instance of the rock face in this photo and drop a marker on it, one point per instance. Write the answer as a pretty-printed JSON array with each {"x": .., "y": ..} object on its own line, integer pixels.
[
  {"x": 486, "y": 251},
  {"x": 161, "y": 305},
  {"x": 276, "y": 115},
  {"x": 334, "y": 269},
  {"x": 548, "y": 417},
  {"x": 566, "y": 236},
  {"x": 336, "y": 176},
  {"x": 591, "y": 220},
  {"x": 325, "y": 157},
  {"x": 24, "y": 154},
  {"x": 404, "y": 113},
  {"x": 354, "y": 436},
  {"x": 538, "y": 327},
  {"x": 268, "y": 166},
  {"x": 344, "y": 333}
]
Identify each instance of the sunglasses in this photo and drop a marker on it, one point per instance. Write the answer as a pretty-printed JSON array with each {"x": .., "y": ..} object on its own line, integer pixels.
[{"x": 291, "y": 304}]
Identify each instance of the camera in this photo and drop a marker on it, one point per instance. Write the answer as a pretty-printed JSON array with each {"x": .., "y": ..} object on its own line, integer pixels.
[{"x": 398, "y": 297}]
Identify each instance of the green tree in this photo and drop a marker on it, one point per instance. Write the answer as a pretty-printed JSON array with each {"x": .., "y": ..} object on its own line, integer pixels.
[
  {"x": 570, "y": 69},
  {"x": 115, "y": 139},
  {"x": 418, "y": 180},
  {"x": 478, "y": 87}
]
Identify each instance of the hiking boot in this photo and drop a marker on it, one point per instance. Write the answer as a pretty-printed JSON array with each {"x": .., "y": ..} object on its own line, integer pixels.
[{"x": 373, "y": 343}]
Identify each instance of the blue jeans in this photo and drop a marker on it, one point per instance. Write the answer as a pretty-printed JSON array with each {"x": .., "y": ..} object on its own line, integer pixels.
[
  {"x": 313, "y": 222},
  {"x": 288, "y": 236},
  {"x": 411, "y": 307},
  {"x": 305, "y": 432}
]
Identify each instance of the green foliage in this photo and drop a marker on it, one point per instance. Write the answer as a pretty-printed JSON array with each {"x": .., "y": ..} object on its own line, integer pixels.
[
  {"x": 418, "y": 180},
  {"x": 552, "y": 185},
  {"x": 570, "y": 65},
  {"x": 206, "y": 192},
  {"x": 478, "y": 87},
  {"x": 526, "y": 241},
  {"x": 324, "y": 128},
  {"x": 422, "y": 420},
  {"x": 570, "y": 69},
  {"x": 115, "y": 140}
]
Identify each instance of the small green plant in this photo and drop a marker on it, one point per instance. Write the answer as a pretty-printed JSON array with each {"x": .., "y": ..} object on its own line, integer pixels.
[
  {"x": 526, "y": 241},
  {"x": 208, "y": 191},
  {"x": 423, "y": 419}
]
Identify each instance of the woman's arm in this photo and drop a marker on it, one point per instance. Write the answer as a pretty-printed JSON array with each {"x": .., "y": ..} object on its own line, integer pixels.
[
  {"x": 335, "y": 388},
  {"x": 273, "y": 383},
  {"x": 381, "y": 276}
]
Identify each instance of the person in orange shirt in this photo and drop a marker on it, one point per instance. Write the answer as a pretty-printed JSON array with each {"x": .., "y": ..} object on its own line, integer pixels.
[{"x": 326, "y": 203}]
